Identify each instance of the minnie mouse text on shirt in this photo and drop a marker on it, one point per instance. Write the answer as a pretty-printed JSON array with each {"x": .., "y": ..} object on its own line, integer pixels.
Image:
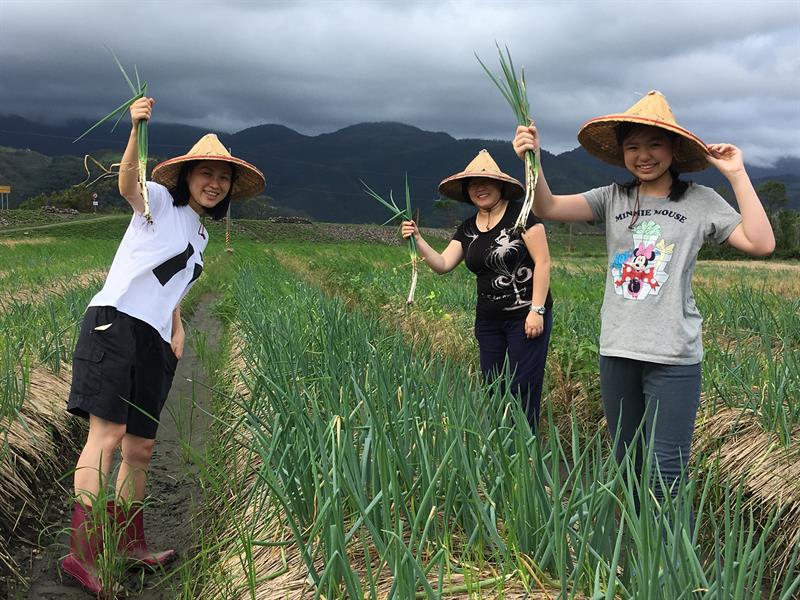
[{"x": 650, "y": 212}]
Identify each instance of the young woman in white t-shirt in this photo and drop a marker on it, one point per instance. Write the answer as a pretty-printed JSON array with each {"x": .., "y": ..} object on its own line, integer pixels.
[
  {"x": 650, "y": 342},
  {"x": 132, "y": 337}
]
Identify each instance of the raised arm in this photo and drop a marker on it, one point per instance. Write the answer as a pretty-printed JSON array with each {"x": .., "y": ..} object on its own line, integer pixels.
[
  {"x": 547, "y": 205},
  {"x": 128, "y": 169},
  {"x": 754, "y": 234},
  {"x": 439, "y": 263}
]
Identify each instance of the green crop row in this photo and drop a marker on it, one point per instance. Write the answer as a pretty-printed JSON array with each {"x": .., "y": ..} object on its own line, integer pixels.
[
  {"x": 388, "y": 472},
  {"x": 751, "y": 334}
]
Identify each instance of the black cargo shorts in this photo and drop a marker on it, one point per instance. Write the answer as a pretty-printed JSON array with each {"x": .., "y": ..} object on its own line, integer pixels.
[{"x": 122, "y": 371}]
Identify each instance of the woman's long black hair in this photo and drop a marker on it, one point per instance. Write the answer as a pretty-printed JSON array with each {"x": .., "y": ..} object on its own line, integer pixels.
[
  {"x": 679, "y": 186},
  {"x": 180, "y": 193}
]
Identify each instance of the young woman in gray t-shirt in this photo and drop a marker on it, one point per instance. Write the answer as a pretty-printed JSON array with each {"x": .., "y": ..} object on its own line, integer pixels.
[{"x": 650, "y": 341}]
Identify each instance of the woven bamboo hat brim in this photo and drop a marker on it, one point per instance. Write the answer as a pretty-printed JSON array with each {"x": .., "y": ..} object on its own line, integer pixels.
[
  {"x": 599, "y": 137},
  {"x": 482, "y": 165},
  {"x": 249, "y": 180}
]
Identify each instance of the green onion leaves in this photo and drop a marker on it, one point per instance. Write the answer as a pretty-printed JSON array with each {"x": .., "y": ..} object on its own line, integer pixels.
[
  {"x": 403, "y": 215},
  {"x": 513, "y": 89},
  {"x": 139, "y": 90}
]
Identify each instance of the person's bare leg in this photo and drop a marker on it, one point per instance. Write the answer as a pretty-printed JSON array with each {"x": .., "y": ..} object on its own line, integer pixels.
[
  {"x": 132, "y": 477},
  {"x": 94, "y": 463},
  {"x": 86, "y": 529},
  {"x": 131, "y": 487}
]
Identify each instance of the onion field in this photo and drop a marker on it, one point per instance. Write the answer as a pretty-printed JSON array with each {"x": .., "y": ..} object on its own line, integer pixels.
[{"x": 354, "y": 452}]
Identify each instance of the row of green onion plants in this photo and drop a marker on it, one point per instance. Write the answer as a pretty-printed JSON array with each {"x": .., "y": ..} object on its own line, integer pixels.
[
  {"x": 752, "y": 336},
  {"x": 46, "y": 282},
  {"x": 38, "y": 263},
  {"x": 393, "y": 472},
  {"x": 748, "y": 417}
]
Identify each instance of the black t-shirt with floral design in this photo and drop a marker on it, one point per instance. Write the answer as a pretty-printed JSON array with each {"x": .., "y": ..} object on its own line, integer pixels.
[{"x": 502, "y": 264}]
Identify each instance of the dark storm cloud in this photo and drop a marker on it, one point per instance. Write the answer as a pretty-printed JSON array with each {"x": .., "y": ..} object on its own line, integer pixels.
[{"x": 730, "y": 69}]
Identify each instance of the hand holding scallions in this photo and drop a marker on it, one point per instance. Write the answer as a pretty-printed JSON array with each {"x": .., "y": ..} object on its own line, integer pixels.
[
  {"x": 142, "y": 109},
  {"x": 131, "y": 179},
  {"x": 409, "y": 228},
  {"x": 404, "y": 215},
  {"x": 526, "y": 139},
  {"x": 512, "y": 85}
]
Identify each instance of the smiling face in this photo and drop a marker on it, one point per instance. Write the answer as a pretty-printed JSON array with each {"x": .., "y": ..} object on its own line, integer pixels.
[
  {"x": 648, "y": 153},
  {"x": 484, "y": 192},
  {"x": 639, "y": 263},
  {"x": 209, "y": 182}
]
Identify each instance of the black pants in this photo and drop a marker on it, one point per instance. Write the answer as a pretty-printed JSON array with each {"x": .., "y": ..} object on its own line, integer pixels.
[{"x": 499, "y": 341}]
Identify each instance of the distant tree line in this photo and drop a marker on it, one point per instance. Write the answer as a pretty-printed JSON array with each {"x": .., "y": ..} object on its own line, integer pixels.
[
  {"x": 785, "y": 221},
  {"x": 80, "y": 197},
  {"x": 447, "y": 213}
]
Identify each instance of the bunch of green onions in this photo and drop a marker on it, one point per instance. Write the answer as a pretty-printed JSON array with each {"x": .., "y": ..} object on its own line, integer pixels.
[
  {"x": 139, "y": 91},
  {"x": 513, "y": 90},
  {"x": 403, "y": 215}
]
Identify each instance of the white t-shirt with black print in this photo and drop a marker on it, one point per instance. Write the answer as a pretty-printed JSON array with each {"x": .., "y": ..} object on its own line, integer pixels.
[
  {"x": 502, "y": 264},
  {"x": 649, "y": 312},
  {"x": 155, "y": 264}
]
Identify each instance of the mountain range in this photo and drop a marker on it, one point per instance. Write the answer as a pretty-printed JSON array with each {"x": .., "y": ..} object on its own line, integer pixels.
[{"x": 319, "y": 176}]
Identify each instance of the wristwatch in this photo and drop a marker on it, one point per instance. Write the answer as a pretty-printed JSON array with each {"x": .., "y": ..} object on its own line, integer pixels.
[{"x": 537, "y": 309}]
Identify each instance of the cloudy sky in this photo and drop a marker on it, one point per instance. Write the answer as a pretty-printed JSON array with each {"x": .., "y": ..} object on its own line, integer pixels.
[{"x": 730, "y": 69}]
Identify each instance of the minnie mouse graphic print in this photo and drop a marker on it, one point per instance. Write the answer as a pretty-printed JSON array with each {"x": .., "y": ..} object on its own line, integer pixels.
[
  {"x": 642, "y": 269},
  {"x": 502, "y": 264}
]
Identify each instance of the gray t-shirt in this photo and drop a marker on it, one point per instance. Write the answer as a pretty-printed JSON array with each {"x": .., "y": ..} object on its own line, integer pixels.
[{"x": 649, "y": 312}]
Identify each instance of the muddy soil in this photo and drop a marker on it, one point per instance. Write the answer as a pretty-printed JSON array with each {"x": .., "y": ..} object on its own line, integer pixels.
[{"x": 172, "y": 515}]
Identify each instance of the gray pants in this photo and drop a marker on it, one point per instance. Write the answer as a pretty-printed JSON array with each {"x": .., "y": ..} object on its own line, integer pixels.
[{"x": 666, "y": 398}]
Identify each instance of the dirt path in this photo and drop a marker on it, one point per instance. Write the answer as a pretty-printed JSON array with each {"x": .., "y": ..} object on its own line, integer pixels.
[{"x": 176, "y": 495}]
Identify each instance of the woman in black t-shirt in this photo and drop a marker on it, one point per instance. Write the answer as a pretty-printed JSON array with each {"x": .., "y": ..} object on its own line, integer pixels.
[{"x": 512, "y": 315}]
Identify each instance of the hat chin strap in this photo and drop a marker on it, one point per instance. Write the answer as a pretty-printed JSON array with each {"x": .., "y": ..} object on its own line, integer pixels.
[{"x": 489, "y": 211}]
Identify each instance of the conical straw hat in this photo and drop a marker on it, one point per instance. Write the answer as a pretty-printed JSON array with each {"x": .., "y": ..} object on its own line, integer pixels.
[
  {"x": 482, "y": 165},
  {"x": 249, "y": 180},
  {"x": 599, "y": 137}
]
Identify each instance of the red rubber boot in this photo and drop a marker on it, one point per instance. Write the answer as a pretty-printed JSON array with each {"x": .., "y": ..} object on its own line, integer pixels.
[
  {"x": 85, "y": 544},
  {"x": 132, "y": 542}
]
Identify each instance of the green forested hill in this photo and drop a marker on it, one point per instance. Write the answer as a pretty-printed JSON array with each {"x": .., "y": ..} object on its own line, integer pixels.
[{"x": 317, "y": 176}]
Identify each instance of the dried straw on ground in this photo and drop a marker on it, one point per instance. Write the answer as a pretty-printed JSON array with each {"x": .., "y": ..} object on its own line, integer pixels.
[
  {"x": 35, "y": 443},
  {"x": 32, "y": 448},
  {"x": 769, "y": 469}
]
